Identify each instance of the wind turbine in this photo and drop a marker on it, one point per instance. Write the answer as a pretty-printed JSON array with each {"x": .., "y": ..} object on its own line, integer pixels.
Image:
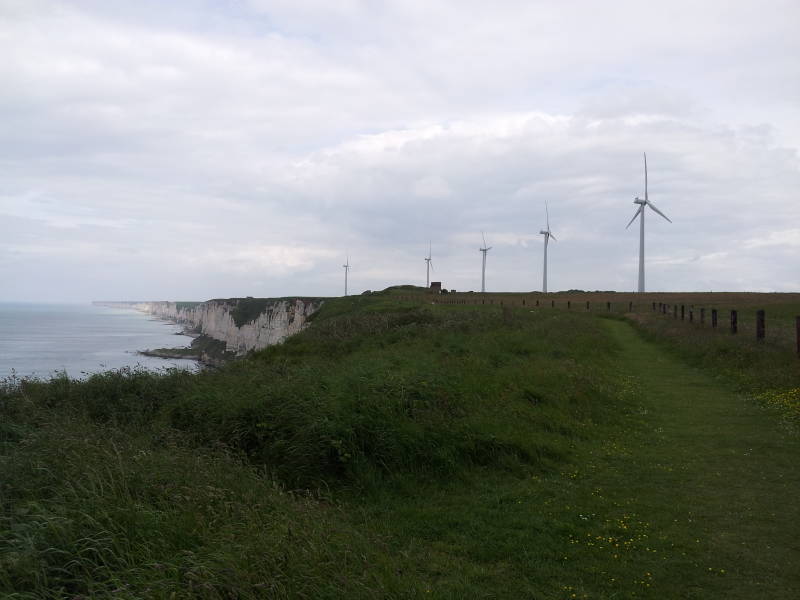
[
  {"x": 485, "y": 249},
  {"x": 346, "y": 269},
  {"x": 429, "y": 267},
  {"x": 640, "y": 213},
  {"x": 547, "y": 235}
]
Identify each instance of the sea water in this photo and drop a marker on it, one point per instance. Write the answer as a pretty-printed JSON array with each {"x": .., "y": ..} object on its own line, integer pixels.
[{"x": 42, "y": 340}]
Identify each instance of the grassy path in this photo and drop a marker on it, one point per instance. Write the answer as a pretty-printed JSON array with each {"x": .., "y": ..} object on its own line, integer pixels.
[
  {"x": 691, "y": 492},
  {"x": 721, "y": 468}
]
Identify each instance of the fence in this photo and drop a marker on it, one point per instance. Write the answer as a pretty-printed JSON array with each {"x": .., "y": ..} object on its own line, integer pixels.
[{"x": 759, "y": 323}]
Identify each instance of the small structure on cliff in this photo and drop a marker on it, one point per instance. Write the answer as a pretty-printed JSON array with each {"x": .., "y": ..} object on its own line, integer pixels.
[{"x": 436, "y": 287}]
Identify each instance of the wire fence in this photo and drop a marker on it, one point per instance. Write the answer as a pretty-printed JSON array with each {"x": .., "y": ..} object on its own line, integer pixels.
[{"x": 781, "y": 328}]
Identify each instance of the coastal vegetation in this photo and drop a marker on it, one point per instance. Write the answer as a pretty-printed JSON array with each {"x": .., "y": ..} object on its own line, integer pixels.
[
  {"x": 203, "y": 348},
  {"x": 246, "y": 310},
  {"x": 400, "y": 449}
]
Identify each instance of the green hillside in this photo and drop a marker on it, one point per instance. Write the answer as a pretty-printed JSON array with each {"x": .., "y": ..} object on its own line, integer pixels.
[{"x": 397, "y": 449}]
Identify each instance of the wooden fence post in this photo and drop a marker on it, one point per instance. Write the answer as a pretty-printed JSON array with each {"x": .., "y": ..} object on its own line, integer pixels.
[
  {"x": 587, "y": 305},
  {"x": 654, "y": 307},
  {"x": 537, "y": 303},
  {"x": 675, "y": 311},
  {"x": 630, "y": 306},
  {"x": 608, "y": 306},
  {"x": 683, "y": 310},
  {"x": 552, "y": 303},
  {"x": 734, "y": 321},
  {"x": 760, "y": 326},
  {"x": 691, "y": 316},
  {"x": 714, "y": 318},
  {"x": 702, "y": 316},
  {"x": 569, "y": 304},
  {"x": 523, "y": 302},
  {"x": 797, "y": 329}
]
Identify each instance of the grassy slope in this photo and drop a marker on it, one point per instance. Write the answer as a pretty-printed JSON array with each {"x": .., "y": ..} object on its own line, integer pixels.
[{"x": 449, "y": 452}]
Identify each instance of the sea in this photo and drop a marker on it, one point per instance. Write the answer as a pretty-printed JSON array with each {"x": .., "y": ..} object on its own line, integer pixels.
[{"x": 44, "y": 340}]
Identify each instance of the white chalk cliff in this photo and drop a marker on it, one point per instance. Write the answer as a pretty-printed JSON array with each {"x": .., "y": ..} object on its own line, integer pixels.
[{"x": 276, "y": 320}]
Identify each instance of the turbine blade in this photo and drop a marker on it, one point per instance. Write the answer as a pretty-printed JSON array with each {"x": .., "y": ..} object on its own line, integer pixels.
[
  {"x": 635, "y": 215},
  {"x": 484, "y": 239},
  {"x": 645, "y": 176},
  {"x": 651, "y": 205},
  {"x": 431, "y": 264},
  {"x": 547, "y": 212},
  {"x": 554, "y": 237}
]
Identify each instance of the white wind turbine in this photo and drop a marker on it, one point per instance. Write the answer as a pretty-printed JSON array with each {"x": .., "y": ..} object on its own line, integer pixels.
[
  {"x": 640, "y": 213},
  {"x": 485, "y": 249},
  {"x": 346, "y": 269},
  {"x": 429, "y": 267},
  {"x": 547, "y": 235}
]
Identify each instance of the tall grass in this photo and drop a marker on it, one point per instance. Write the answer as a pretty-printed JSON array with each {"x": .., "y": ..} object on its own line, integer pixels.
[{"x": 226, "y": 484}]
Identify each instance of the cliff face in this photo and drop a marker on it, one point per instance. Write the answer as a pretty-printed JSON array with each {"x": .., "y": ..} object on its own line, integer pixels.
[{"x": 244, "y": 324}]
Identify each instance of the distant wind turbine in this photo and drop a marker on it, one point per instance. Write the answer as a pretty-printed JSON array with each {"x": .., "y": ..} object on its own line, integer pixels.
[
  {"x": 485, "y": 249},
  {"x": 346, "y": 269},
  {"x": 640, "y": 213},
  {"x": 429, "y": 267},
  {"x": 547, "y": 235}
]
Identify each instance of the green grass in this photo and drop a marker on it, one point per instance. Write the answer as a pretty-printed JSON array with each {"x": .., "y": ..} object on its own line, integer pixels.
[
  {"x": 400, "y": 450},
  {"x": 186, "y": 305}
]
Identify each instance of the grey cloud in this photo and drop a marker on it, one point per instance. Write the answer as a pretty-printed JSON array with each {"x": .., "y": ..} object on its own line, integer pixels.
[{"x": 202, "y": 150}]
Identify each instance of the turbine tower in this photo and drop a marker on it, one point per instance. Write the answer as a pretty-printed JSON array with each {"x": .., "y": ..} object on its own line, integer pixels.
[
  {"x": 485, "y": 249},
  {"x": 429, "y": 267},
  {"x": 346, "y": 269},
  {"x": 547, "y": 235},
  {"x": 640, "y": 213}
]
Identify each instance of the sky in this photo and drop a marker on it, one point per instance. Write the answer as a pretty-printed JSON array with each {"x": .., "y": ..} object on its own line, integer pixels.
[{"x": 198, "y": 149}]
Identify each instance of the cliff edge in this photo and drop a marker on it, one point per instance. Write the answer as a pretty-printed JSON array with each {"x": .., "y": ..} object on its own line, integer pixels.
[{"x": 243, "y": 324}]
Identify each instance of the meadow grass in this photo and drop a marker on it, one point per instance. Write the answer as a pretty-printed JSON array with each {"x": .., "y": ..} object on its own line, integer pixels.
[{"x": 393, "y": 449}]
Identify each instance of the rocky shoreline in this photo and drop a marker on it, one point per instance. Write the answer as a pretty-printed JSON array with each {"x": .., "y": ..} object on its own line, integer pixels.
[{"x": 203, "y": 349}]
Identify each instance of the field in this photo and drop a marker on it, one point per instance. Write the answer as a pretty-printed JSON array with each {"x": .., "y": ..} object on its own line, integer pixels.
[
  {"x": 781, "y": 309},
  {"x": 403, "y": 449}
]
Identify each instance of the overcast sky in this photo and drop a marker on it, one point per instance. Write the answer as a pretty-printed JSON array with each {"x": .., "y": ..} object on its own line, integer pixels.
[{"x": 196, "y": 149}]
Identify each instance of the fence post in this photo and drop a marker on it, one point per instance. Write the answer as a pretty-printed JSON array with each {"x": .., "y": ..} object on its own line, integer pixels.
[
  {"x": 654, "y": 307},
  {"x": 683, "y": 310},
  {"x": 587, "y": 305},
  {"x": 797, "y": 328},
  {"x": 760, "y": 328},
  {"x": 537, "y": 303},
  {"x": 608, "y": 306},
  {"x": 675, "y": 311},
  {"x": 702, "y": 316},
  {"x": 630, "y": 306},
  {"x": 691, "y": 316},
  {"x": 734, "y": 321},
  {"x": 569, "y": 304},
  {"x": 523, "y": 302},
  {"x": 552, "y": 303},
  {"x": 714, "y": 318}
]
